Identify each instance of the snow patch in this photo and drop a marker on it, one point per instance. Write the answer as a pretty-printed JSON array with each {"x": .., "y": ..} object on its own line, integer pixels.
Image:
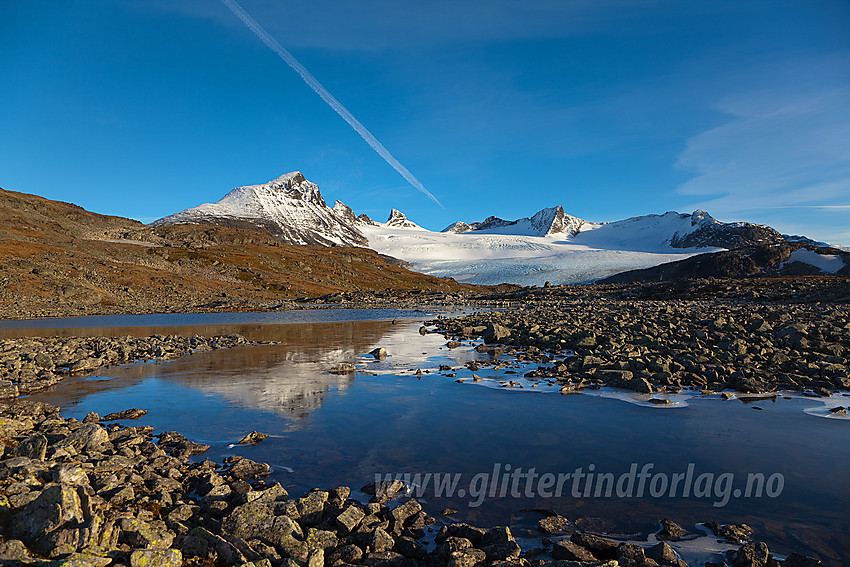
[{"x": 826, "y": 263}]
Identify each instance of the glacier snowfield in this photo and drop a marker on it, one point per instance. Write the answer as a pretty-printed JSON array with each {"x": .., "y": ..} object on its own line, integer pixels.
[{"x": 486, "y": 258}]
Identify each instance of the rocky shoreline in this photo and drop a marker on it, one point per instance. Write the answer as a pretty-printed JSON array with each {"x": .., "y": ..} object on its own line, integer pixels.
[
  {"x": 92, "y": 493},
  {"x": 667, "y": 345},
  {"x": 777, "y": 290},
  {"x": 31, "y": 364}
]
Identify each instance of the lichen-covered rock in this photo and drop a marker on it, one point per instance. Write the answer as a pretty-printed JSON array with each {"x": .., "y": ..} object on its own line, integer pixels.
[
  {"x": 153, "y": 535},
  {"x": 156, "y": 558},
  {"x": 466, "y": 558},
  {"x": 70, "y": 474},
  {"x": 451, "y": 545},
  {"x": 57, "y": 505},
  {"x": 753, "y": 554},
  {"x": 83, "y": 559},
  {"x": 253, "y": 438},
  {"x": 379, "y": 540},
  {"x": 14, "y": 550},
  {"x": 349, "y": 554},
  {"x": 321, "y": 539},
  {"x": 33, "y": 447},
  {"x": 600, "y": 546},
  {"x": 662, "y": 553},
  {"x": 88, "y": 437},
  {"x": 350, "y": 518},
  {"x": 311, "y": 506},
  {"x": 401, "y": 513},
  {"x": 384, "y": 491},
  {"x": 245, "y": 469},
  {"x": 257, "y": 520}
]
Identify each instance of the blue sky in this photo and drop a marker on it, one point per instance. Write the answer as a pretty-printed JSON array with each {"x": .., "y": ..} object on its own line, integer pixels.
[{"x": 611, "y": 108}]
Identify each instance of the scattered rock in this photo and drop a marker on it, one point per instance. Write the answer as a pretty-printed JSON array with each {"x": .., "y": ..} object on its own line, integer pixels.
[
  {"x": 131, "y": 414},
  {"x": 735, "y": 533},
  {"x": 566, "y": 549},
  {"x": 552, "y": 524},
  {"x": 379, "y": 353},
  {"x": 753, "y": 554},
  {"x": 253, "y": 438},
  {"x": 384, "y": 491},
  {"x": 671, "y": 531},
  {"x": 668, "y": 336}
]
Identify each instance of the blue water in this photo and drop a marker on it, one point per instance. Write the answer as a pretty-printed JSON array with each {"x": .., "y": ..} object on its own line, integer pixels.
[{"x": 341, "y": 430}]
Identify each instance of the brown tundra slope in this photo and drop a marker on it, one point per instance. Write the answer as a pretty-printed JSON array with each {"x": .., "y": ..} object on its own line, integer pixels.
[{"x": 57, "y": 259}]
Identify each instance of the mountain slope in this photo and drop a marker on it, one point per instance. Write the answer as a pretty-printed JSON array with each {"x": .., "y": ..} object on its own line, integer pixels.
[
  {"x": 58, "y": 259},
  {"x": 289, "y": 207},
  {"x": 775, "y": 260},
  {"x": 708, "y": 231}
]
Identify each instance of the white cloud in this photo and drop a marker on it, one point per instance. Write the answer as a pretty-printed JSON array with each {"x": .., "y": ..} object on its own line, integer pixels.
[
  {"x": 780, "y": 149},
  {"x": 783, "y": 155}
]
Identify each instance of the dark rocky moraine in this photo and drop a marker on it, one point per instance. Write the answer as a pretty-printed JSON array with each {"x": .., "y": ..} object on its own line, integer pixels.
[{"x": 666, "y": 345}]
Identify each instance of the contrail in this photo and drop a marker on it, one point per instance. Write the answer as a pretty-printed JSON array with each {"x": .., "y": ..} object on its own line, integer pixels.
[{"x": 326, "y": 96}]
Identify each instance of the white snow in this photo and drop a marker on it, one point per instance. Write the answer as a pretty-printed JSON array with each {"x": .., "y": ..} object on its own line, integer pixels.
[
  {"x": 826, "y": 263},
  {"x": 492, "y": 257},
  {"x": 290, "y": 202}
]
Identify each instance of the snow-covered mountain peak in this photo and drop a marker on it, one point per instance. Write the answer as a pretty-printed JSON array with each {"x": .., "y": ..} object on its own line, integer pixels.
[
  {"x": 344, "y": 212},
  {"x": 289, "y": 207},
  {"x": 292, "y": 185},
  {"x": 701, "y": 217},
  {"x": 286, "y": 178},
  {"x": 551, "y": 220},
  {"x": 706, "y": 231},
  {"x": 364, "y": 218},
  {"x": 457, "y": 227},
  {"x": 398, "y": 219},
  {"x": 554, "y": 220}
]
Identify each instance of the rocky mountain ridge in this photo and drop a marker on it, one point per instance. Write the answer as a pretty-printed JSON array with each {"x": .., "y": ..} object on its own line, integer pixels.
[{"x": 292, "y": 209}]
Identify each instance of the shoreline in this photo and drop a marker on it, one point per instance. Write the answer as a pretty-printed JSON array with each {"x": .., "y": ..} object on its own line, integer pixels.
[
  {"x": 652, "y": 346},
  {"x": 100, "y": 493},
  {"x": 779, "y": 290},
  {"x": 31, "y": 364}
]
